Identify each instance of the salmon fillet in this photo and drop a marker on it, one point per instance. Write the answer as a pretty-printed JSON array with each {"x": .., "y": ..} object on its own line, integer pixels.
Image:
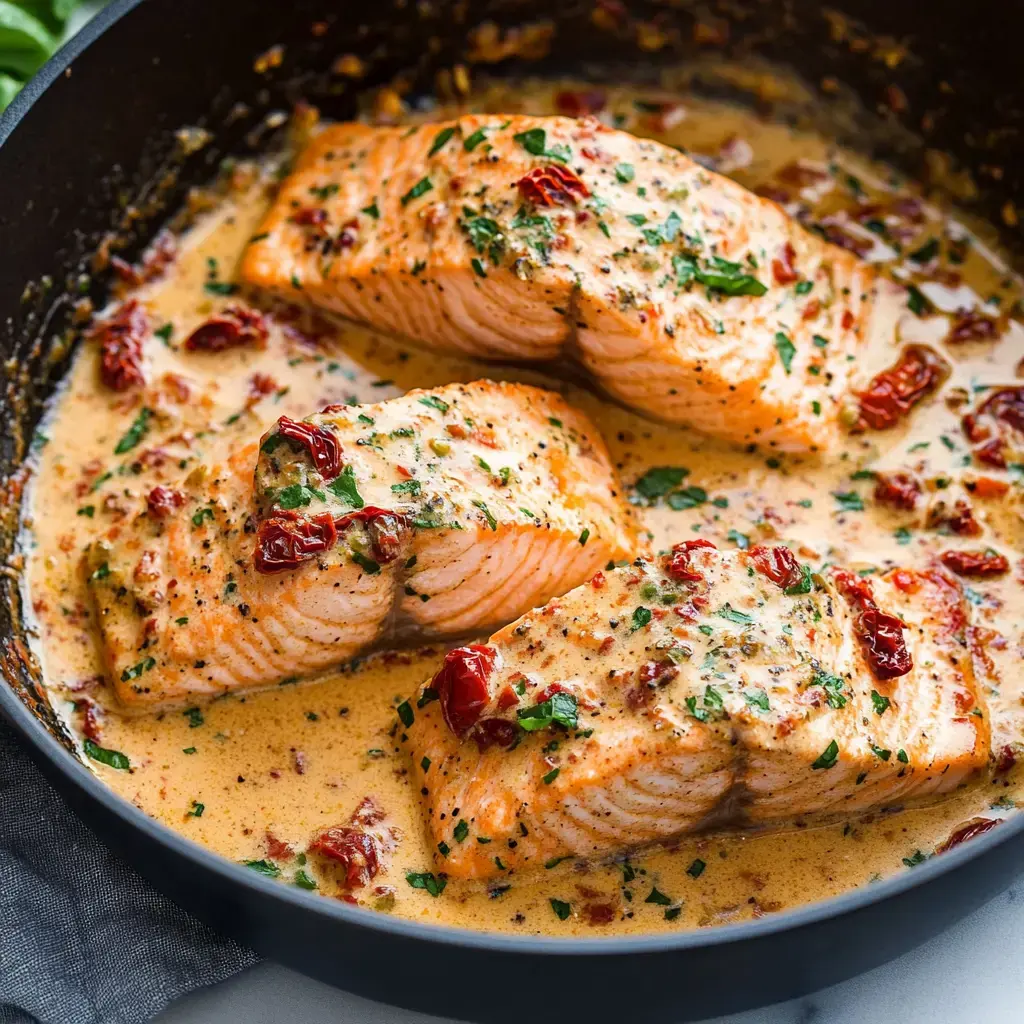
[
  {"x": 435, "y": 514},
  {"x": 526, "y": 238},
  {"x": 703, "y": 688}
]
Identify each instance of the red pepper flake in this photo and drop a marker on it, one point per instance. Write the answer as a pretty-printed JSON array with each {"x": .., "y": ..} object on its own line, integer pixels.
[
  {"x": 162, "y": 501},
  {"x": 880, "y": 634},
  {"x": 677, "y": 565},
  {"x": 286, "y": 540},
  {"x": 970, "y": 325},
  {"x": 893, "y": 393},
  {"x": 508, "y": 698},
  {"x": 900, "y": 490},
  {"x": 120, "y": 338},
  {"x": 323, "y": 446},
  {"x": 969, "y": 830},
  {"x": 461, "y": 685},
  {"x": 388, "y": 530},
  {"x": 779, "y": 564},
  {"x": 553, "y": 185},
  {"x": 975, "y": 564},
  {"x": 579, "y": 103},
  {"x": 782, "y": 266},
  {"x": 231, "y": 327}
]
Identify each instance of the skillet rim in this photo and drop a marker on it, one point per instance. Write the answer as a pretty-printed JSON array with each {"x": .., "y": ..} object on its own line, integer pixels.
[{"x": 78, "y": 774}]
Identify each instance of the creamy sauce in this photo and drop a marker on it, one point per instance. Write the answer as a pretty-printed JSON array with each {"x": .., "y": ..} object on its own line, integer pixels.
[{"x": 299, "y": 757}]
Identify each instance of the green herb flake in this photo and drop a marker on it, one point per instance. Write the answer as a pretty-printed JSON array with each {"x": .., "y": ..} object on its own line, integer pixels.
[
  {"x": 562, "y": 909},
  {"x": 303, "y": 881},
  {"x": 786, "y": 349},
  {"x": 426, "y": 880},
  {"x": 641, "y": 618},
  {"x": 827, "y": 758},
  {"x": 343, "y": 486},
  {"x": 551, "y": 776},
  {"x": 135, "y": 433},
  {"x": 659, "y": 480},
  {"x": 491, "y": 521},
  {"x": 696, "y": 869},
  {"x": 658, "y": 898},
  {"x": 625, "y": 173},
  {"x": 433, "y": 402},
  {"x": 421, "y": 187},
  {"x": 879, "y": 703},
  {"x": 560, "y": 708},
  {"x": 111, "y": 758},
  {"x": 441, "y": 139},
  {"x": 848, "y": 501},
  {"x": 405, "y": 713},
  {"x": 264, "y": 867},
  {"x": 460, "y": 831}
]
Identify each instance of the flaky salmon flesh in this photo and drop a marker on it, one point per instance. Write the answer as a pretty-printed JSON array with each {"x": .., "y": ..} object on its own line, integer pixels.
[
  {"x": 699, "y": 689},
  {"x": 528, "y": 238},
  {"x": 437, "y": 514}
]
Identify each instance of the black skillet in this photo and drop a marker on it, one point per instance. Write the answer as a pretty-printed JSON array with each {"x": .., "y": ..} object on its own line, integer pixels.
[{"x": 93, "y": 138}]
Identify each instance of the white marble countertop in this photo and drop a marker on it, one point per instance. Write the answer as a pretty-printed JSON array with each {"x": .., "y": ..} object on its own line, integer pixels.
[{"x": 971, "y": 974}]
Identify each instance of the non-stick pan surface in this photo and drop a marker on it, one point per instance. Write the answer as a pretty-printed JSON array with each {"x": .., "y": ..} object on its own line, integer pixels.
[{"x": 93, "y": 147}]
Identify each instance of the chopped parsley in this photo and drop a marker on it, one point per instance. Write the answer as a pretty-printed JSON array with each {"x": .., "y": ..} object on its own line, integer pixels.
[
  {"x": 535, "y": 143},
  {"x": 111, "y": 758},
  {"x": 828, "y": 757},
  {"x": 421, "y": 187},
  {"x": 343, "y": 486},
  {"x": 427, "y": 880},
  {"x": 562, "y": 910},
  {"x": 560, "y": 708},
  {"x": 441, "y": 139},
  {"x": 879, "y": 703},
  {"x": 848, "y": 501},
  {"x": 433, "y": 402},
  {"x": 786, "y": 349},
  {"x": 491, "y": 521},
  {"x": 696, "y": 869},
  {"x": 264, "y": 867},
  {"x": 136, "y": 432}
]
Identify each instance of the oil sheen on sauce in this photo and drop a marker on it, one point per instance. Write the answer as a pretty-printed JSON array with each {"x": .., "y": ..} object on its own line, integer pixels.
[{"x": 255, "y": 776}]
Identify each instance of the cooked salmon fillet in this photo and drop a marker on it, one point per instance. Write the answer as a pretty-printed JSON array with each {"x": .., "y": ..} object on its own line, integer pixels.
[
  {"x": 431, "y": 515},
  {"x": 702, "y": 688},
  {"x": 526, "y": 238}
]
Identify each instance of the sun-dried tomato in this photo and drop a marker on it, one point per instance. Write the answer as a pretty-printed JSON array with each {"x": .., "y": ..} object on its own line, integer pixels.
[
  {"x": 677, "y": 564},
  {"x": 972, "y": 326},
  {"x": 278, "y": 849},
  {"x": 553, "y": 185},
  {"x": 368, "y": 812},
  {"x": 779, "y": 564},
  {"x": 495, "y": 732},
  {"x": 901, "y": 490},
  {"x": 975, "y": 564},
  {"x": 387, "y": 530},
  {"x": 461, "y": 685},
  {"x": 893, "y": 393},
  {"x": 354, "y": 849},
  {"x": 1005, "y": 406},
  {"x": 120, "y": 339},
  {"x": 650, "y": 676},
  {"x": 286, "y": 540},
  {"x": 988, "y": 487},
  {"x": 782, "y": 266},
  {"x": 880, "y": 634},
  {"x": 322, "y": 444},
  {"x": 959, "y": 519},
  {"x": 162, "y": 501},
  {"x": 91, "y": 717},
  {"x": 231, "y": 327},
  {"x": 579, "y": 103},
  {"x": 969, "y": 830}
]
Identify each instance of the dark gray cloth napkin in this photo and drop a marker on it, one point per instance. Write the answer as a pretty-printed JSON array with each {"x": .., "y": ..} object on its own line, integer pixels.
[{"x": 83, "y": 939}]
